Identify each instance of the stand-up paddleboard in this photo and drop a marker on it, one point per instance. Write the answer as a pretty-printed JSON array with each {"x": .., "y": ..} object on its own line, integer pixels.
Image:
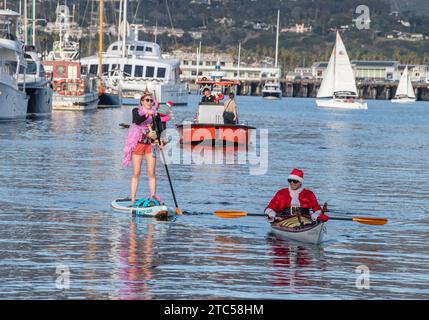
[{"x": 145, "y": 209}]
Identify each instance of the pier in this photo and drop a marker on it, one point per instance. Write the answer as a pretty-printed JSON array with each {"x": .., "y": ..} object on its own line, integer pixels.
[{"x": 308, "y": 89}]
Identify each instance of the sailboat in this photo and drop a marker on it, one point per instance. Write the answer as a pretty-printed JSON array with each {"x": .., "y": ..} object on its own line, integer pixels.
[
  {"x": 338, "y": 88},
  {"x": 405, "y": 91},
  {"x": 272, "y": 89}
]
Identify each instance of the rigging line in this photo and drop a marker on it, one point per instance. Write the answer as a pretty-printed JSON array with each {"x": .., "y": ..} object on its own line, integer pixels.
[
  {"x": 171, "y": 21},
  {"x": 113, "y": 8},
  {"x": 84, "y": 13},
  {"x": 106, "y": 23},
  {"x": 135, "y": 15}
]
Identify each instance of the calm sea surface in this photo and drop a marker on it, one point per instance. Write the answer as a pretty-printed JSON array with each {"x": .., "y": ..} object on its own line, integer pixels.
[{"x": 59, "y": 175}]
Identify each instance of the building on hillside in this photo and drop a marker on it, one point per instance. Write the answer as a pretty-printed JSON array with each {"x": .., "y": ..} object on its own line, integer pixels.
[
  {"x": 298, "y": 28},
  {"x": 158, "y": 30}
]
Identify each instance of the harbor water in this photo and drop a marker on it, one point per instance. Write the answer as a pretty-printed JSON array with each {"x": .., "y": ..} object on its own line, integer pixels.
[{"x": 59, "y": 238}]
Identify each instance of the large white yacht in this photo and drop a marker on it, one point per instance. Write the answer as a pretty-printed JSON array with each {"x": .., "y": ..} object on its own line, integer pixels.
[
  {"x": 13, "y": 100},
  {"x": 140, "y": 65}
]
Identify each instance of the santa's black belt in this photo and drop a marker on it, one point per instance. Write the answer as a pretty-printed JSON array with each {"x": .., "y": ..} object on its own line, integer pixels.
[{"x": 295, "y": 211}]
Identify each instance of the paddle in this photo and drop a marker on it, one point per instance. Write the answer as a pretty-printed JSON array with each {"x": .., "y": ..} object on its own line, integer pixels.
[
  {"x": 178, "y": 210},
  {"x": 363, "y": 220}
]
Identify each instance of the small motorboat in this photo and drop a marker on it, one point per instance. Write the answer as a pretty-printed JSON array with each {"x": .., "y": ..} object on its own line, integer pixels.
[{"x": 208, "y": 125}]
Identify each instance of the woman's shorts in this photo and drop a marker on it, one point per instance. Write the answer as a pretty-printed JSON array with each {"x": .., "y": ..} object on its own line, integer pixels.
[{"x": 142, "y": 149}]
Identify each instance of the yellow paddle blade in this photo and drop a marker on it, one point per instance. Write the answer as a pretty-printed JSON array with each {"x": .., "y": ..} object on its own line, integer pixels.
[
  {"x": 179, "y": 211},
  {"x": 230, "y": 214},
  {"x": 371, "y": 221}
]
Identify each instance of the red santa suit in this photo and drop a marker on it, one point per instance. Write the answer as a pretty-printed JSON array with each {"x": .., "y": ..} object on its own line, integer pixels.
[{"x": 287, "y": 198}]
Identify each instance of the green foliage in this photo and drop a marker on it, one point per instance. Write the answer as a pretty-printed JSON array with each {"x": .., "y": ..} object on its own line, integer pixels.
[{"x": 295, "y": 49}]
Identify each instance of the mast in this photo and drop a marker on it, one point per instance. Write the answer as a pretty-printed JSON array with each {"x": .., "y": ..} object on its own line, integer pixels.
[
  {"x": 198, "y": 59},
  {"x": 33, "y": 33},
  {"x": 124, "y": 35},
  {"x": 100, "y": 49},
  {"x": 238, "y": 63},
  {"x": 25, "y": 23},
  {"x": 120, "y": 19},
  {"x": 277, "y": 38},
  {"x": 335, "y": 59},
  {"x": 156, "y": 30}
]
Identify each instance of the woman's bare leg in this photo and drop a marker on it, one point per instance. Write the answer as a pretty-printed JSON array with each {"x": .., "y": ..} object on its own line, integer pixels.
[
  {"x": 150, "y": 171},
  {"x": 137, "y": 165}
]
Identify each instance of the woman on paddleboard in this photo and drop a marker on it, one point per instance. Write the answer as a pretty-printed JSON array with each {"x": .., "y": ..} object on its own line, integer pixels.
[
  {"x": 295, "y": 201},
  {"x": 141, "y": 143}
]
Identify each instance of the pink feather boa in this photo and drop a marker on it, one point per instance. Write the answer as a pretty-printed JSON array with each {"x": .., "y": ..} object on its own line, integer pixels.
[{"x": 135, "y": 134}]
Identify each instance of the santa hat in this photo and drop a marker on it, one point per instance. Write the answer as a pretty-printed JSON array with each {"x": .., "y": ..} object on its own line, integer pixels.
[
  {"x": 297, "y": 174},
  {"x": 169, "y": 103}
]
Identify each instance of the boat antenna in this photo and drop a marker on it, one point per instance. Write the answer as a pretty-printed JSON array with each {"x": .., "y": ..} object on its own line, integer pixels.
[{"x": 238, "y": 61}]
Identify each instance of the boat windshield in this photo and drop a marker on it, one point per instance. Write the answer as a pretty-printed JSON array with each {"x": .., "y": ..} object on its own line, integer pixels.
[{"x": 8, "y": 27}]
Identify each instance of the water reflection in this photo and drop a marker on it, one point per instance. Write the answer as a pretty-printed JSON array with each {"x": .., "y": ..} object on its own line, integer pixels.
[
  {"x": 295, "y": 264},
  {"x": 136, "y": 260}
]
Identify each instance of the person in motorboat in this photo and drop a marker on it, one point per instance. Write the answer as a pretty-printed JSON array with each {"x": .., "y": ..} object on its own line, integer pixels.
[
  {"x": 230, "y": 110},
  {"x": 141, "y": 143},
  {"x": 207, "y": 96},
  {"x": 295, "y": 201}
]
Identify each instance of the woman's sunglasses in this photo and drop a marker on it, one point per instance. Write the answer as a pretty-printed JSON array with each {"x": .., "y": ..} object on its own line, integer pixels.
[
  {"x": 148, "y": 100},
  {"x": 292, "y": 181}
]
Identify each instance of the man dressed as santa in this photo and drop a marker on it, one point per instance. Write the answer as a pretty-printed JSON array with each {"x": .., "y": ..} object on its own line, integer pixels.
[{"x": 295, "y": 200}]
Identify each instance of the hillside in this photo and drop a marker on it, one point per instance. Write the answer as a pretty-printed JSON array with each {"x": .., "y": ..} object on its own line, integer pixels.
[{"x": 224, "y": 23}]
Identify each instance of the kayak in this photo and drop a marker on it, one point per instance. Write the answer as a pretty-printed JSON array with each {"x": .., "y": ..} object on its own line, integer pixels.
[
  {"x": 290, "y": 229},
  {"x": 156, "y": 211}
]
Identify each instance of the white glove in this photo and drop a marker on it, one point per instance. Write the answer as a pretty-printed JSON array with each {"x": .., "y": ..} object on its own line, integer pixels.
[
  {"x": 314, "y": 215},
  {"x": 271, "y": 213}
]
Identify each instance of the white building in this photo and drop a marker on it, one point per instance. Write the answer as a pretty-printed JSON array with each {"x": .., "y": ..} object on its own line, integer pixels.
[
  {"x": 208, "y": 61},
  {"x": 377, "y": 71}
]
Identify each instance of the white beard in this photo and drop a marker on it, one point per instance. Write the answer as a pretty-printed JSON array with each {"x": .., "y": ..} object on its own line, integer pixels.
[{"x": 294, "y": 194}]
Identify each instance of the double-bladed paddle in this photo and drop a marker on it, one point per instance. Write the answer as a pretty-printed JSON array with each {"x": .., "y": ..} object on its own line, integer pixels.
[{"x": 363, "y": 220}]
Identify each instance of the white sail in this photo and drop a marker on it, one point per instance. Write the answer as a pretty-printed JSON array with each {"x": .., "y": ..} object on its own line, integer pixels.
[
  {"x": 403, "y": 84},
  {"x": 327, "y": 86},
  {"x": 410, "y": 89},
  {"x": 339, "y": 75},
  {"x": 344, "y": 77}
]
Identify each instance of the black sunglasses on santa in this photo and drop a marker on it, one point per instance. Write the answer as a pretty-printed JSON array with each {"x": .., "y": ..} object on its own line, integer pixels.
[{"x": 293, "y": 181}]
